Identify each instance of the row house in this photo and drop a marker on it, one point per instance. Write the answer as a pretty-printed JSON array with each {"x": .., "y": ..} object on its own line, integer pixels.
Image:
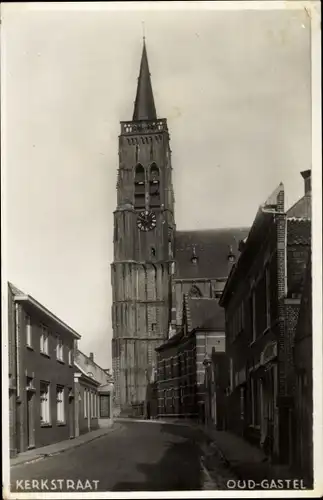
[
  {"x": 41, "y": 374},
  {"x": 93, "y": 394},
  {"x": 262, "y": 301},
  {"x": 303, "y": 397},
  {"x": 181, "y": 360}
]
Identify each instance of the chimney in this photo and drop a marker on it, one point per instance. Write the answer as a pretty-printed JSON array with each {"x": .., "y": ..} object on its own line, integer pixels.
[
  {"x": 231, "y": 259},
  {"x": 307, "y": 176},
  {"x": 91, "y": 356}
]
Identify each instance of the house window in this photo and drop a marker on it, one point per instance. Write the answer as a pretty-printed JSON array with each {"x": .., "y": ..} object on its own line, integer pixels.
[
  {"x": 70, "y": 357},
  {"x": 44, "y": 403},
  {"x": 231, "y": 375},
  {"x": 253, "y": 315},
  {"x": 59, "y": 349},
  {"x": 154, "y": 327},
  {"x": 267, "y": 278},
  {"x": 85, "y": 403},
  {"x": 28, "y": 331},
  {"x": 44, "y": 340},
  {"x": 60, "y": 404}
]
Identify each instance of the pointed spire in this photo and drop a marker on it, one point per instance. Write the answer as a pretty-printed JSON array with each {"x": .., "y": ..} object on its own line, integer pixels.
[{"x": 144, "y": 103}]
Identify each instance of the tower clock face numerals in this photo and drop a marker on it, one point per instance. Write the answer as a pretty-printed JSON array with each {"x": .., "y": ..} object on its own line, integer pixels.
[{"x": 146, "y": 220}]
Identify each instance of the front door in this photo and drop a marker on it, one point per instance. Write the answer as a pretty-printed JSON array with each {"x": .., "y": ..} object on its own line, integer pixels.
[
  {"x": 30, "y": 421},
  {"x": 104, "y": 405},
  {"x": 70, "y": 416}
]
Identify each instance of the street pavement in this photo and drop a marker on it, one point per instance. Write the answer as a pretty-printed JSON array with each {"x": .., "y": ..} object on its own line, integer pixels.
[{"x": 138, "y": 456}]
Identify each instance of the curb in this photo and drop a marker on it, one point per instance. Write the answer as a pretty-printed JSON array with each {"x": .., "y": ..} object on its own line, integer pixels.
[{"x": 39, "y": 457}]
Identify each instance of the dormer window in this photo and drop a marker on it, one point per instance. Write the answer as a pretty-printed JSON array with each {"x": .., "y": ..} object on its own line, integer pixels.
[
  {"x": 194, "y": 258},
  {"x": 231, "y": 256}
]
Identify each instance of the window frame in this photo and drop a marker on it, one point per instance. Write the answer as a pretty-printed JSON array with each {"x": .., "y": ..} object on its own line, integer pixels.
[
  {"x": 60, "y": 409},
  {"x": 44, "y": 340},
  {"x": 253, "y": 317},
  {"x": 85, "y": 409},
  {"x": 46, "y": 406},
  {"x": 28, "y": 331},
  {"x": 70, "y": 356},
  {"x": 267, "y": 282},
  {"x": 59, "y": 349}
]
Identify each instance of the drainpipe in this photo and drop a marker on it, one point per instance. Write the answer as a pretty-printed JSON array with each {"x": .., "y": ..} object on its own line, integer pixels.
[
  {"x": 284, "y": 214},
  {"x": 17, "y": 351}
]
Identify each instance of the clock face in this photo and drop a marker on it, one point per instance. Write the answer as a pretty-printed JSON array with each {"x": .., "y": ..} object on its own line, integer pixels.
[{"x": 146, "y": 220}]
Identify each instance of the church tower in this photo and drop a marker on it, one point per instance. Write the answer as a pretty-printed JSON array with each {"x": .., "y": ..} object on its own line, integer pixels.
[{"x": 144, "y": 230}]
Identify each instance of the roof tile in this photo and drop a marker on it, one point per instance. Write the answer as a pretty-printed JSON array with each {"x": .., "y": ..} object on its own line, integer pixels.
[{"x": 211, "y": 248}]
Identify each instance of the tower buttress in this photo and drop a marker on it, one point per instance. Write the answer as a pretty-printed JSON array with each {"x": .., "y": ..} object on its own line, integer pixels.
[{"x": 143, "y": 244}]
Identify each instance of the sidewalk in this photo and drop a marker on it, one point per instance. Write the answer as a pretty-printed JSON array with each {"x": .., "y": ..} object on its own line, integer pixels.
[
  {"x": 56, "y": 448},
  {"x": 245, "y": 460}
]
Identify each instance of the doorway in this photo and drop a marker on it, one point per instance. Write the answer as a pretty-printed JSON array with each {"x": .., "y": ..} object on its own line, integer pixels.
[
  {"x": 104, "y": 405},
  {"x": 30, "y": 420},
  {"x": 70, "y": 415}
]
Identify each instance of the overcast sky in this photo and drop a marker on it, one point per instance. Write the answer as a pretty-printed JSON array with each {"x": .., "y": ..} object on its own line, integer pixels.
[{"x": 235, "y": 88}]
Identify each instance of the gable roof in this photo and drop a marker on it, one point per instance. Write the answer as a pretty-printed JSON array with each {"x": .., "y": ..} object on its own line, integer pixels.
[
  {"x": 302, "y": 208},
  {"x": 15, "y": 291},
  {"x": 211, "y": 247},
  {"x": 205, "y": 313},
  {"x": 22, "y": 297},
  {"x": 85, "y": 374}
]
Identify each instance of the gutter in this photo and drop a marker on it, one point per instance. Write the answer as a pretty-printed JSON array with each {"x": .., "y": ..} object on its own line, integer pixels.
[
  {"x": 17, "y": 350},
  {"x": 30, "y": 300}
]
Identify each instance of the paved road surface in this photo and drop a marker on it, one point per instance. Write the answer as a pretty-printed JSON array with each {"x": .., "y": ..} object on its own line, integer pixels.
[{"x": 140, "y": 456}]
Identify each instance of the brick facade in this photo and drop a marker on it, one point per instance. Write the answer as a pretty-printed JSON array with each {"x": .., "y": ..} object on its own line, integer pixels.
[
  {"x": 303, "y": 392},
  {"x": 41, "y": 375},
  {"x": 181, "y": 381},
  {"x": 262, "y": 300}
]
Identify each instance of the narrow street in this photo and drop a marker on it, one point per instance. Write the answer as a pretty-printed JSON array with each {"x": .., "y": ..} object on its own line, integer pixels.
[{"x": 140, "y": 456}]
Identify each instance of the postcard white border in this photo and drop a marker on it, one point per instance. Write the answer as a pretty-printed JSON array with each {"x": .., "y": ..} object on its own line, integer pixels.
[{"x": 313, "y": 9}]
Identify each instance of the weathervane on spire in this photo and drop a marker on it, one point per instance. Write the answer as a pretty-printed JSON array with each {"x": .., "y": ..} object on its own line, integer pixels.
[{"x": 143, "y": 30}]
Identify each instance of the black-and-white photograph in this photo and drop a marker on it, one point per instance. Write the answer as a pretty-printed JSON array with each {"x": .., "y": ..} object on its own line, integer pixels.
[{"x": 161, "y": 255}]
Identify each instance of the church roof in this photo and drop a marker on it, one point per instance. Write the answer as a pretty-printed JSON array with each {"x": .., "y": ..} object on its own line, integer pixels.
[
  {"x": 298, "y": 231},
  {"x": 302, "y": 208},
  {"x": 204, "y": 253},
  {"x": 144, "y": 104},
  {"x": 205, "y": 313}
]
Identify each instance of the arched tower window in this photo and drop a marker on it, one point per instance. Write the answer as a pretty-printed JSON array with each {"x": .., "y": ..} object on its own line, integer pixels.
[
  {"x": 195, "y": 291},
  {"x": 140, "y": 186},
  {"x": 154, "y": 186}
]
